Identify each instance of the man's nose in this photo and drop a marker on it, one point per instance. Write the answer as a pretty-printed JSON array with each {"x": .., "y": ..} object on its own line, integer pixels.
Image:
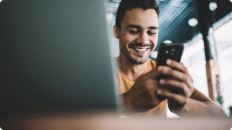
[{"x": 143, "y": 38}]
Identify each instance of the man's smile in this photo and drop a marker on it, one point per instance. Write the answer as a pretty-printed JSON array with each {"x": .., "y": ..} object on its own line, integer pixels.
[{"x": 140, "y": 51}]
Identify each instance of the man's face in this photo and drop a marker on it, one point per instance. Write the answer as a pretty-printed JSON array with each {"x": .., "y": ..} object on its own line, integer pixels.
[{"x": 138, "y": 35}]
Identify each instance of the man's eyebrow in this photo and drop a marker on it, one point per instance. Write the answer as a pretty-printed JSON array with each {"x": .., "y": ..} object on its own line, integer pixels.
[
  {"x": 139, "y": 27},
  {"x": 133, "y": 26},
  {"x": 153, "y": 27}
]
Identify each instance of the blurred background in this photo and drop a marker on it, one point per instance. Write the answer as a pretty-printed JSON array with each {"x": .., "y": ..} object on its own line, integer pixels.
[{"x": 179, "y": 23}]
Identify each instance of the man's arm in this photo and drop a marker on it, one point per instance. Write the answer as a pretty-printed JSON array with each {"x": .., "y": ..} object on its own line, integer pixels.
[
  {"x": 199, "y": 104},
  {"x": 187, "y": 100}
]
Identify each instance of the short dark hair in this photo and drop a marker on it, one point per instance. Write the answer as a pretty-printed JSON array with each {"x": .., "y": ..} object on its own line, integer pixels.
[{"x": 131, "y": 4}]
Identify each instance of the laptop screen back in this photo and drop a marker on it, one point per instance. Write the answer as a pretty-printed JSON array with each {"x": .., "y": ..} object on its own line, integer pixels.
[{"x": 55, "y": 54}]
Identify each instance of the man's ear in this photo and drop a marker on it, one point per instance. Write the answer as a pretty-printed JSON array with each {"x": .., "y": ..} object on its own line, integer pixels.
[{"x": 116, "y": 32}]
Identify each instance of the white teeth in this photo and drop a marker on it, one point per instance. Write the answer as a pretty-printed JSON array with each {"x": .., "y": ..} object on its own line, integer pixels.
[{"x": 140, "y": 49}]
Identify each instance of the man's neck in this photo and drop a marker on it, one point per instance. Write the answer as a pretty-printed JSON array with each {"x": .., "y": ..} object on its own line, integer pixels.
[{"x": 132, "y": 71}]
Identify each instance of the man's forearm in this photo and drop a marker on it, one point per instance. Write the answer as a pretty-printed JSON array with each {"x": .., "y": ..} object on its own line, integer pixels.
[{"x": 198, "y": 108}]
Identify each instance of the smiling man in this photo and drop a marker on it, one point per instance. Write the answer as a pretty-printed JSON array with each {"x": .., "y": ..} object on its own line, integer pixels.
[
  {"x": 136, "y": 22},
  {"x": 137, "y": 32}
]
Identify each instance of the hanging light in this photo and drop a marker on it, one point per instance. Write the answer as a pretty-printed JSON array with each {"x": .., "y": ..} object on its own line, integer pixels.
[
  {"x": 193, "y": 22},
  {"x": 167, "y": 41},
  {"x": 154, "y": 54},
  {"x": 212, "y": 6}
]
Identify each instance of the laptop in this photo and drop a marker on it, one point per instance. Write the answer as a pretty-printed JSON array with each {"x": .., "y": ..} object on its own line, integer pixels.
[{"x": 54, "y": 55}]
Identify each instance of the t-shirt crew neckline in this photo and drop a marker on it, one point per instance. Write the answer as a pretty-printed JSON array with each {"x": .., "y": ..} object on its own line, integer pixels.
[{"x": 129, "y": 78}]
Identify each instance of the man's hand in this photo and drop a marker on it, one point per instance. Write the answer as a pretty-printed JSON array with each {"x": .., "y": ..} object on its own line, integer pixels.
[
  {"x": 180, "y": 81},
  {"x": 143, "y": 94}
]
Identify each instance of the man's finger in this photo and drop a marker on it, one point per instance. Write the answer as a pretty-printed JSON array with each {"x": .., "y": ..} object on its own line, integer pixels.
[
  {"x": 179, "y": 76},
  {"x": 178, "y": 98},
  {"x": 158, "y": 71},
  {"x": 176, "y": 85},
  {"x": 175, "y": 65},
  {"x": 178, "y": 66}
]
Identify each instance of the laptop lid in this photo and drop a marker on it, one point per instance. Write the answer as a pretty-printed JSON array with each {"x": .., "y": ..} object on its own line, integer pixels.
[{"x": 55, "y": 54}]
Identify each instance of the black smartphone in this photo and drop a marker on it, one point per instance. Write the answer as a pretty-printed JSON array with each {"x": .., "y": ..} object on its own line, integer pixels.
[{"x": 171, "y": 51}]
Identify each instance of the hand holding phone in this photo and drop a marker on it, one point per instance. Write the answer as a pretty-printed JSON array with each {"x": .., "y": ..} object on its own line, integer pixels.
[{"x": 171, "y": 51}]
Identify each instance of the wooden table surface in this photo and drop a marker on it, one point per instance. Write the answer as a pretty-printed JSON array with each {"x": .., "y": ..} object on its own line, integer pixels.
[{"x": 109, "y": 121}]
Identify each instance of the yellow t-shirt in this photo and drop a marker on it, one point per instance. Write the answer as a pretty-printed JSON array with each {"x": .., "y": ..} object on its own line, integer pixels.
[{"x": 125, "y": 84}]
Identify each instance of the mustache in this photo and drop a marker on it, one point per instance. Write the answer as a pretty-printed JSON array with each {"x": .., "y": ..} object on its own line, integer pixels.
[{"x": 141, "y": 45}]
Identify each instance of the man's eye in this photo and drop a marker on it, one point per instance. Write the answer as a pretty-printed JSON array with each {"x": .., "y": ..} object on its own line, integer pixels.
[
  {"x": 131, "y": 31},
  {"x": 151, "y": 33}
]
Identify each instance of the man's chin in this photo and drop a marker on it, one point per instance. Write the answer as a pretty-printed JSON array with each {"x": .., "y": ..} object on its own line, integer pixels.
[{"x": 138, "y": 61}]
